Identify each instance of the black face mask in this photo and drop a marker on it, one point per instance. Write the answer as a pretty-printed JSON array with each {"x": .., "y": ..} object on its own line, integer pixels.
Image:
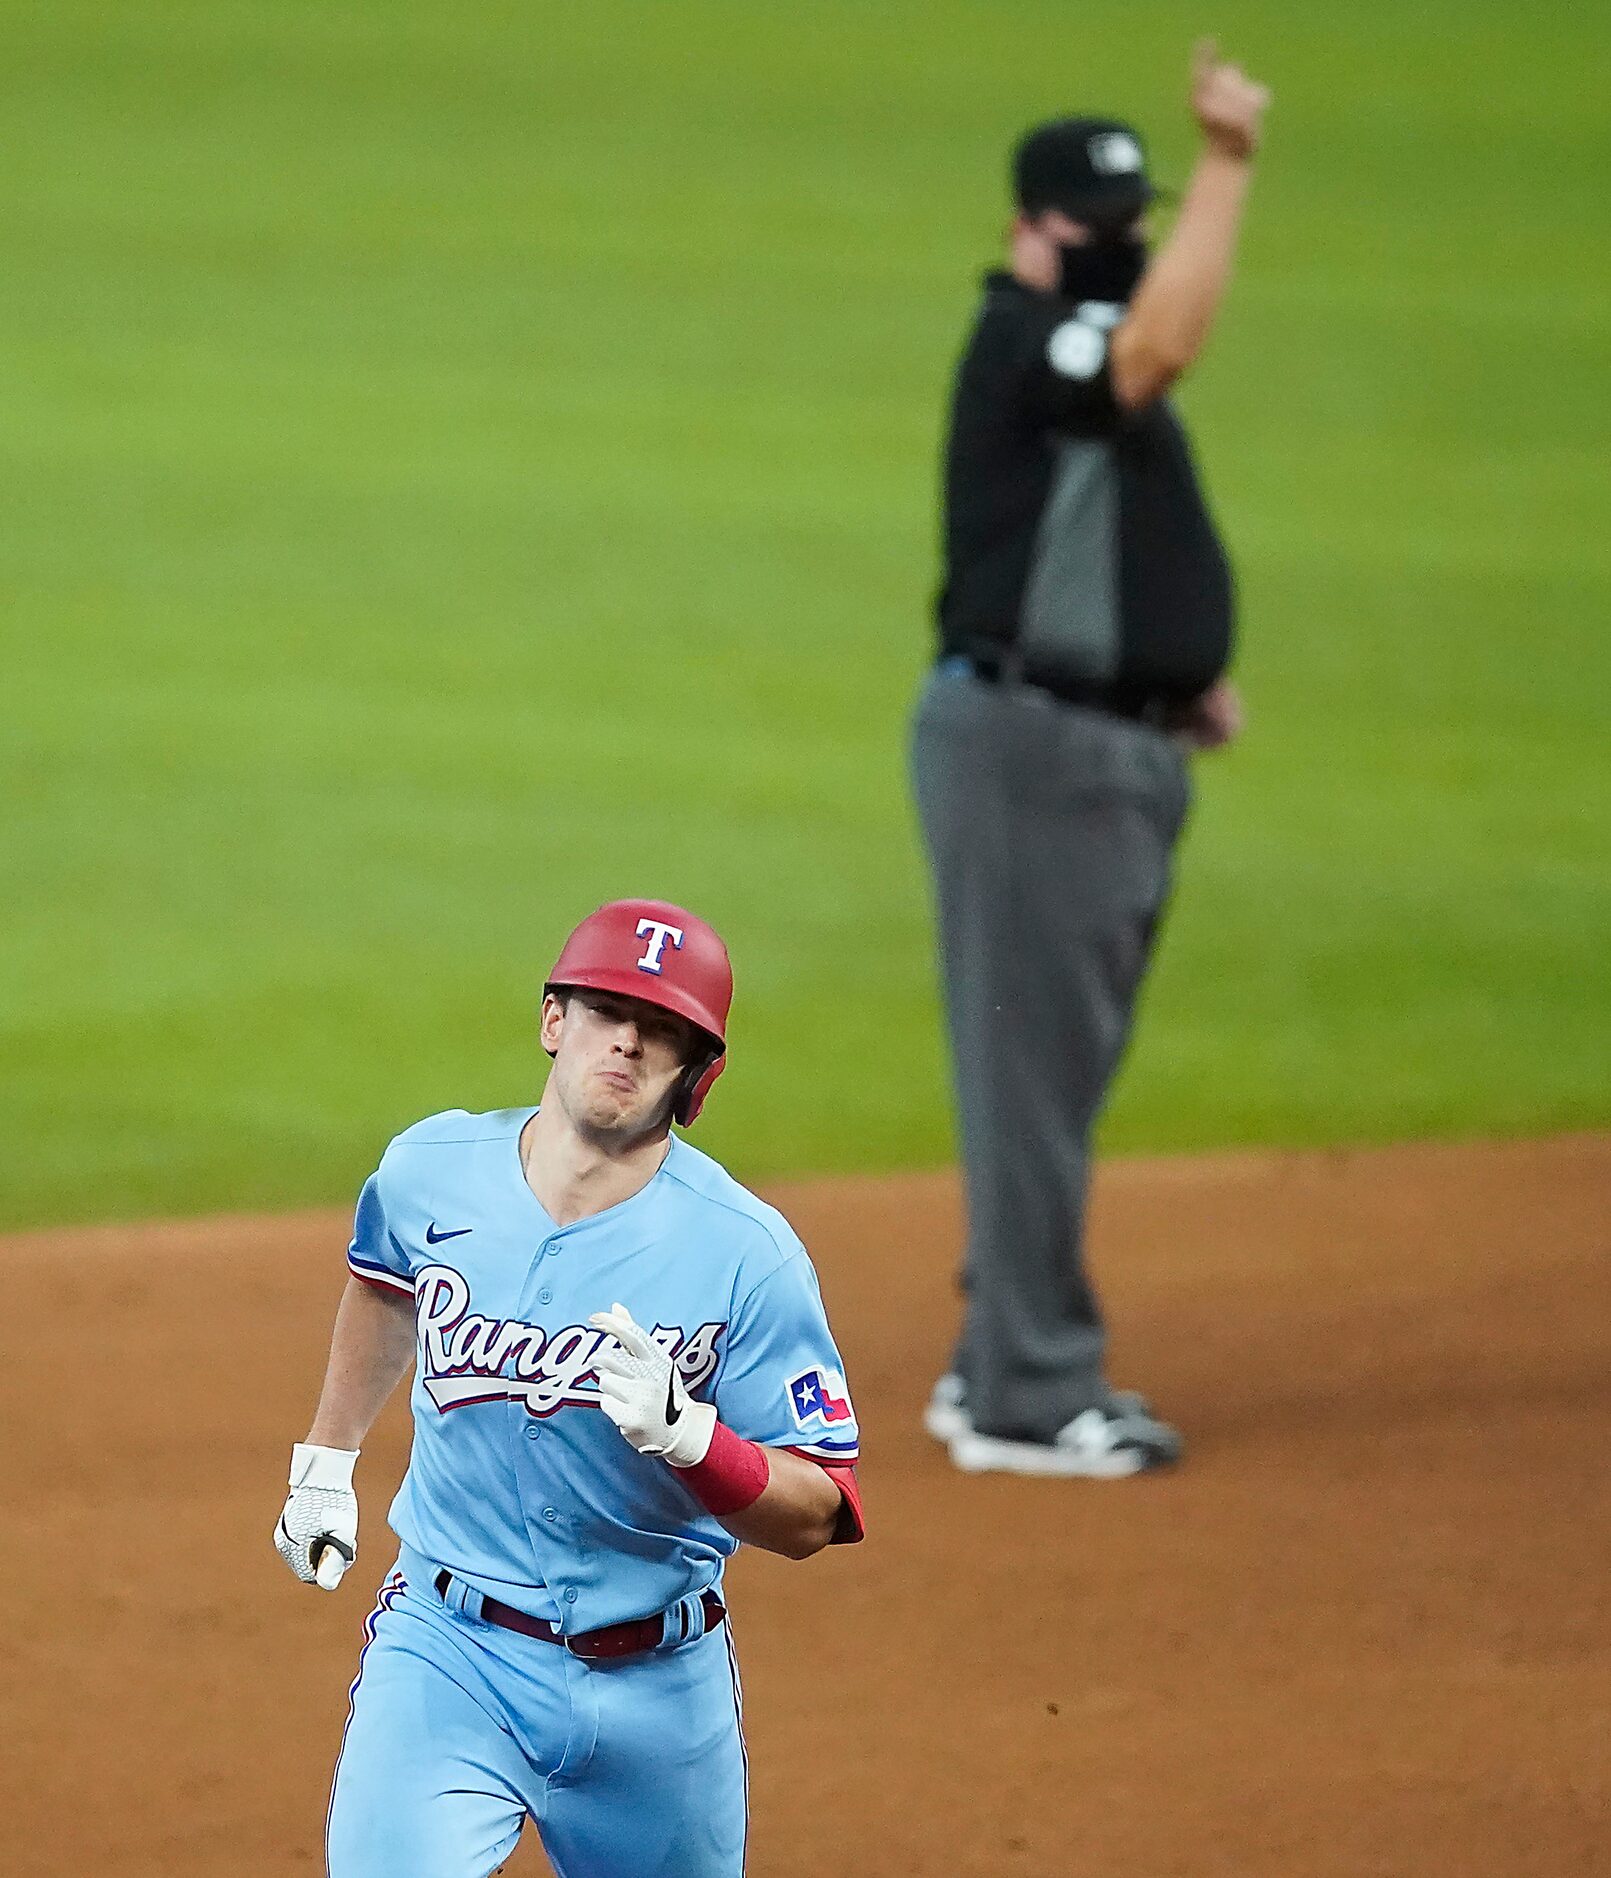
[{"x": 1106, "y": 269}]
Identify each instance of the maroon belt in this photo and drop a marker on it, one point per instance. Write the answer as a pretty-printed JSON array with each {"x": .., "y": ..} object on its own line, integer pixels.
[{"x": 629, "y": 1639}]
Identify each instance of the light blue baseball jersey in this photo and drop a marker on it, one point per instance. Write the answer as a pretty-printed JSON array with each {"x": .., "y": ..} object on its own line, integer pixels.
[{"x": 518, "y": 1483}]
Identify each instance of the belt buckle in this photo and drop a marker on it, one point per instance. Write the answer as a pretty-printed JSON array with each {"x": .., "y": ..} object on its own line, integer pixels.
[{"x": 606, "y": 1654}]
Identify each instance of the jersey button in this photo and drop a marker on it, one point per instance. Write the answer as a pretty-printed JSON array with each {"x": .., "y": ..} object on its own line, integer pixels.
[
  {"x": 570, "y": 1594},
  {"x": 550, "y": 1513},
  {"x": 532, "y": 1431},
  {"x": 545, "y": 1296}
]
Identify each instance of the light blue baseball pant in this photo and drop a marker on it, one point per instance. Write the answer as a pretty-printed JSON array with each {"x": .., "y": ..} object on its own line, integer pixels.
[{"x": 460, "y": 1730}]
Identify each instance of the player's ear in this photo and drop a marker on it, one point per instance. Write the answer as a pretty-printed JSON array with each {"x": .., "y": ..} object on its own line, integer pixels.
[{"x": 551, "y": 1020}]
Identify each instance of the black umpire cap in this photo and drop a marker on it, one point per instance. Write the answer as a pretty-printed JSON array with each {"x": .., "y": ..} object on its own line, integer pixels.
[{"x": 1092, "y": 168}]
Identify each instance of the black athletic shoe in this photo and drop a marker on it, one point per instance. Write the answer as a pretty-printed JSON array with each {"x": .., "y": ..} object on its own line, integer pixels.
[{"x": 1120, "y": 1437}]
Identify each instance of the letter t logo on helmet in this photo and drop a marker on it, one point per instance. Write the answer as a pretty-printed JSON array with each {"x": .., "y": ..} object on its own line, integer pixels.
[
  {"x": 665, "y": 956},
  {"x": 657, "y": 933}
]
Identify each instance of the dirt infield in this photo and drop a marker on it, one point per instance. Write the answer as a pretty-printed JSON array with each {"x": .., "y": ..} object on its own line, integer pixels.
[{"x": 1366, "y": 1629}]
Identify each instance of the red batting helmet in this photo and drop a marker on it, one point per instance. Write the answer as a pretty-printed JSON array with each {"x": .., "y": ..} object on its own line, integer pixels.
[{"x": 665, "y": 955}]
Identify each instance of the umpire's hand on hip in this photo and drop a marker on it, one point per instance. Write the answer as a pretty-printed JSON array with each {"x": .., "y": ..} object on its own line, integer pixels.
[
  {"x": 1211, "y": 721},
  {"x": 317, "y": 1534}
]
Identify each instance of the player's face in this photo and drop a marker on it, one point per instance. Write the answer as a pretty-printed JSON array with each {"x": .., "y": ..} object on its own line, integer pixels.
[{"x": 616, "y": 1060}]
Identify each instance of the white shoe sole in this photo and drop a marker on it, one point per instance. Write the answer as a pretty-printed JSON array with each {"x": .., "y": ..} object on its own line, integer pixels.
[
  {"x": 946, "y": 1422},
  {"x": 945, "y": 1418},
  {"x": 986, "y": 1454}
]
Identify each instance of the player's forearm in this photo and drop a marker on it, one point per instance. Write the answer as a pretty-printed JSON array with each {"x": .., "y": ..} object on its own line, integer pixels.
[
  {"x": 1179, "y": 295},
  {"x": 371, "y": 1347},
  {"x": 795, "y": 1515}
]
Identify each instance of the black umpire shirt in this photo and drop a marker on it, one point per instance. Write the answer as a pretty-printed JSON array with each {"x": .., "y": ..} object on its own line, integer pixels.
[{"x": 1078, "y": 545}]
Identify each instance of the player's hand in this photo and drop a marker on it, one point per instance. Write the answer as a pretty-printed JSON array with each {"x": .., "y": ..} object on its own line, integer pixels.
[
  {"x": 317, "y": 1534},
  {"x": 1228, "y": 105},
  {"x": 642, "y": 1393}
]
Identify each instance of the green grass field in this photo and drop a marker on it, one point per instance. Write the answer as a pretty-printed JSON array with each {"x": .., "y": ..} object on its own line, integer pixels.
[{"x": 465, "y": 462}]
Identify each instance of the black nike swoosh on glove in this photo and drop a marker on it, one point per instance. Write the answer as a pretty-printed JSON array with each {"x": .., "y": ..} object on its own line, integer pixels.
[
  {"x": 321, "y": 1540},
  {"x": 673, "y": 1413}
]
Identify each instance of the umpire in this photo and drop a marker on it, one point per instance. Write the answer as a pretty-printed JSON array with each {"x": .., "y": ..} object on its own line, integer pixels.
[{"x": 1085, "y": 626}]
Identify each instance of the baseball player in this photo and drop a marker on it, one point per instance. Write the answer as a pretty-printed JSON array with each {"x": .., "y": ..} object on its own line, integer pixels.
[{"x": 622, "y": 1369}]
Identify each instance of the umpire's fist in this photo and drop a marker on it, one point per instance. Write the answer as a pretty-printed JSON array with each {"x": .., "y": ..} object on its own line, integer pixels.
[
  {"x": 1228, "y": 105},
  {"x": 318, "y": 1532}
]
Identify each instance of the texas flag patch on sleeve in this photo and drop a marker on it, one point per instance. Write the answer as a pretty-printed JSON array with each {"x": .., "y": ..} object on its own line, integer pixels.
[{"x": 819, "y": 1398}]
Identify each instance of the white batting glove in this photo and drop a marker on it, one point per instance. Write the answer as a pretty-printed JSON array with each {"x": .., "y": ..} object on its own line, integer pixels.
[
  {"x": 642, "y": 1393},
  {"x": 318, "y": 1532}
]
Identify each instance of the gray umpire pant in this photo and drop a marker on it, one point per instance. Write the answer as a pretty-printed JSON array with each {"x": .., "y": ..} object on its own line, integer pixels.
[{"x": 1050, "y": 830}]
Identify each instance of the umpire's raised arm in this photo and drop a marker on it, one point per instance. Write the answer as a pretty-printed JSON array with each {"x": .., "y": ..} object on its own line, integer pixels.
[{"x": 1179, "y": 294}]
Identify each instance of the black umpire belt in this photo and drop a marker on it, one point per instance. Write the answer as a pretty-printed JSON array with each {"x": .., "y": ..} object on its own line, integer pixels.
[
  {"x": 628, "y": 1639},
  {"x": 1129, "y": 701}
]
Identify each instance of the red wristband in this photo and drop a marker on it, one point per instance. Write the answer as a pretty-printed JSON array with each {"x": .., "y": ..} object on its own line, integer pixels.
[{"x": 732, "y": 1475}]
